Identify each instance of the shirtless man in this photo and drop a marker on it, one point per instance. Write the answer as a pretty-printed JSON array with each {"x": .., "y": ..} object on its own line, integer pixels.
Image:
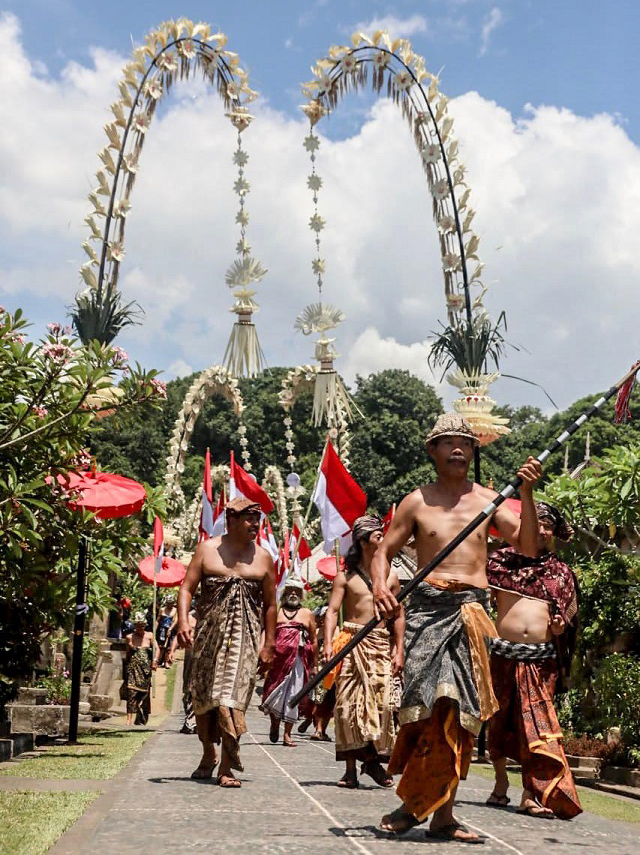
[
  {"x": 537, "y": 605},
  {"x": 237, "y": 584},
  {"x": 296, "y": 654},
  {"x": 363, "y": 712},
  {"x": 447, "y": 691}
]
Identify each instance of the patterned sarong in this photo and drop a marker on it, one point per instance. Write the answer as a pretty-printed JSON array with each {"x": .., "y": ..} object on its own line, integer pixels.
[
  {"x": 447, "y": 693},
  {"x": 225, "y": 656},
  {"x": 526, "y": 727},
  {"x": 363, "y": 712},
  {"x": 289, "y": 670},
  {"x": 139, "y": 684}
]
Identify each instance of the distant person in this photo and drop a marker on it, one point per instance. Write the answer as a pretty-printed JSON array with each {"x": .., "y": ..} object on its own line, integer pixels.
[
  {"x": 139, "y": 666},
  {"x": 167, "y": 621},
  {"x": 537, "y": 603},
  {"x": 238, "y": 597},
  {"x": 296, "y": 654}
]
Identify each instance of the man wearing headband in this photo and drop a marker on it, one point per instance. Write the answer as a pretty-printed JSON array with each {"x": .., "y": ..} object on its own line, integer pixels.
[
  {"x": 363, "y": 711},
  {"x": 447, "y": 693},
  {"x": 237, "y": 600},
  {"x": 296, "y": 653},
  {"x": 537, "y": 605}
]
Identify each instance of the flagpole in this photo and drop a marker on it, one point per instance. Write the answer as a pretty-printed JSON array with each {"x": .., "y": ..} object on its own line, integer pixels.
[
  {"x": 624, "y": 384},
  {"x": 337, "y": 553},
  {"x": 309, "y": 506},
  {"x": 154, "y": 643}
]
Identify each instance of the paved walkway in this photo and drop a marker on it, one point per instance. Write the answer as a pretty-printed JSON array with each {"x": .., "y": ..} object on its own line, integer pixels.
[{"x": 289, "y": 804}]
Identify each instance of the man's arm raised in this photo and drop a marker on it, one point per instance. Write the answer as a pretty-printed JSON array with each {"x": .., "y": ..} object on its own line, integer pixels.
[
  {"x": 522, "y": 534},
  {"x": 187, "y": 590},
  {"x": 269, "y": 612},
  {"x": 399, "y": 533}
]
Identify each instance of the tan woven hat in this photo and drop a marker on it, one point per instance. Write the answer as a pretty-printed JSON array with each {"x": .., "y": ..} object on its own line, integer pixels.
[
  {"x": 451, "y": 424},
  {"x": 241, "y": 504}
]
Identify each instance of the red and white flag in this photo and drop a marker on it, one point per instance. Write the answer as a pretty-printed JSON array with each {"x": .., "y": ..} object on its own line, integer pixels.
[
  {"x": 267, "y": 540},
  {"x": 219, "y": 518},
  {"x": 158, "y": 544},
  {"x": 242, "y": 484},
  {"x": 206, "y": 517},
  {"x": 339, "y": 499},
  {"x": 303, "y": 552},
  {"x": 386, "y": 522}
]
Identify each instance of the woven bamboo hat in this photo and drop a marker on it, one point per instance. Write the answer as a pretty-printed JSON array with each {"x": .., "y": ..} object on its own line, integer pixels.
[{"x": 451, "y": 424}]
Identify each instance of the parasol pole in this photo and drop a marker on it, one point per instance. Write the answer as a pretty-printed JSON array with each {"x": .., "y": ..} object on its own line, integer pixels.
[
  {"x": 154, "y": 643},
  {"x": 78, "y": 637},
  {"x": 623, "y": 386},
  {"x": 341, "y": 610}
]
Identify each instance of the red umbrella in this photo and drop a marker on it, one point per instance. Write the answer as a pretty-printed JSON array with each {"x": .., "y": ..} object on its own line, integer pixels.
[
  {"x": 327, "y": 567},
  {"x": 513, "y": 505},
  {"x": 170, "y": 575},
  {"x": 109, "y": 496}
]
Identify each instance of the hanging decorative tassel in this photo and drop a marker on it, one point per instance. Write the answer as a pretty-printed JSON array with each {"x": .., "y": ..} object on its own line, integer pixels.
[
  {"x": 243, "y": 356},
  {"x": 623, "y": 412}
]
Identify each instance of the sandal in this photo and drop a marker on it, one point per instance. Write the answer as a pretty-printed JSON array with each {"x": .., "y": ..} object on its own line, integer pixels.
[
  {"x": 497, "y": 801},
  {"x": 448, "y": 832},
  {"x": 348, "y": 782},
  {"x": 228, "y": 782},
  {"x": 398, "y": 821},
  {"x": 374, "y": 770},
  {"x": 536, "y": 811}
]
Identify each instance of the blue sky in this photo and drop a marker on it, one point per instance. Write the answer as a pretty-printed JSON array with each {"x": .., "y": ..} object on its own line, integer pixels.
[{"x": 544, "y": 96}]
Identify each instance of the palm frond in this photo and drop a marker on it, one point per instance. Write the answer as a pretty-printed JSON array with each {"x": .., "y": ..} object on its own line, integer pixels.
[
  {"x": 470, "y": 346},
  {"x": 102, "y": 317},
  {"x": 243, "y": 272},
  {"x": 318, "y": 317}
]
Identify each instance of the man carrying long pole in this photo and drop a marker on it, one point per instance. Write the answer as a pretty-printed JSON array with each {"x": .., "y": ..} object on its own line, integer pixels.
[{"x": 448, "y": 691}]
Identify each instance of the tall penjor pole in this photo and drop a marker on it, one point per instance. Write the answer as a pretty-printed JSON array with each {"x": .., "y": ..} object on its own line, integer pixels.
[{"x": 623, "y": 386}]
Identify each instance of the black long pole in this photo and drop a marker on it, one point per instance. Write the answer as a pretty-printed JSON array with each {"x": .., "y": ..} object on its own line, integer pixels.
[
  {"x": 78, "y": 637},
  {"x": 490, "y": 509}
]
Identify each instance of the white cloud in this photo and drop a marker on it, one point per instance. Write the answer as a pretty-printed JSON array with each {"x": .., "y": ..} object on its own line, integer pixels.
[
  {"x": 396, "y": 27},
  {"x": 491, "y": 22},
  {"x": 559, "y": 193},
  {"x": 179, "y": 368}
]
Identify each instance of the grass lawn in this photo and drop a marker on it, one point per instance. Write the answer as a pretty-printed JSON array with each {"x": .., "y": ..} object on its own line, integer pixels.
[
  {"x": 97, "y": 756},
  {"x": 593, "y": 801},
  {"x": 170, "y": 686},
  {"x": 32, "y": 822}
]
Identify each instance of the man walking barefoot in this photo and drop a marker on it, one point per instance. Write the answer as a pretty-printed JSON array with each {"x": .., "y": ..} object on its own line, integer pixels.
[
  {"x": 537, "y": 622},
  {"x": 238, "y": 598},
  {"x": 447, "y": 692},
  {"x": 363, "y": 712},
  {"x": 296, "y": 653}
]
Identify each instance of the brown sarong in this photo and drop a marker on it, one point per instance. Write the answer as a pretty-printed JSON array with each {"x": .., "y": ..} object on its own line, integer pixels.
[
  {"x": 526, "y": 729},
  {"x": 447, "y": 692},
  {"x": 225, "y": 656},
  {"x": 139, "y": 684},
  {"x": 363, "y": 712}
]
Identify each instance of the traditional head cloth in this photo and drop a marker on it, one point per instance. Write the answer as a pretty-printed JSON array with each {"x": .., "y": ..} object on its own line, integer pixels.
[
  {"x": 294, "y": 583},
  {"x": 241, "y": 504},
  {"x": 140, "y": 617},
  {"x": 366, "y": 525},
  {"x": 561, "y": 528},
  {"x": 451, "y": 424}
]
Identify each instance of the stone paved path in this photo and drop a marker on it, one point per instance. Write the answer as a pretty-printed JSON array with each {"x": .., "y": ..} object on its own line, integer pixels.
[{"x": 289, "y": 804}]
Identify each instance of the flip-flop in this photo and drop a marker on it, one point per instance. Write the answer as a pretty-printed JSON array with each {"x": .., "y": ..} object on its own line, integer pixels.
[
  {"x": 202, "y": 774},
  {"x": 398, "y": 822},
  {"x": 230, "y": 783},
  {"x": 536, "y": 811},
  {"x": 497, "y": 801},
  {"x": 448, "y": 832},
  {"x": 347, "y": 782},
  {"x": 289, "y": 745}
]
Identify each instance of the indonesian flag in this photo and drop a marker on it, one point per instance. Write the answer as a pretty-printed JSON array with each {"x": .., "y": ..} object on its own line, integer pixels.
[
  {"x": 386, "y": 522},
  {"x": 158, "y": 544},
  {"x": 339, "y": 499},
  {"x": 283, "y": 568},
  {"x": 267, "y": 540},
  {"x": 219, "y": 518},
  {"x": 242, "y": 484},
  {"x": 303, "y": 550},
  {"x": 207, "y": 516}
]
